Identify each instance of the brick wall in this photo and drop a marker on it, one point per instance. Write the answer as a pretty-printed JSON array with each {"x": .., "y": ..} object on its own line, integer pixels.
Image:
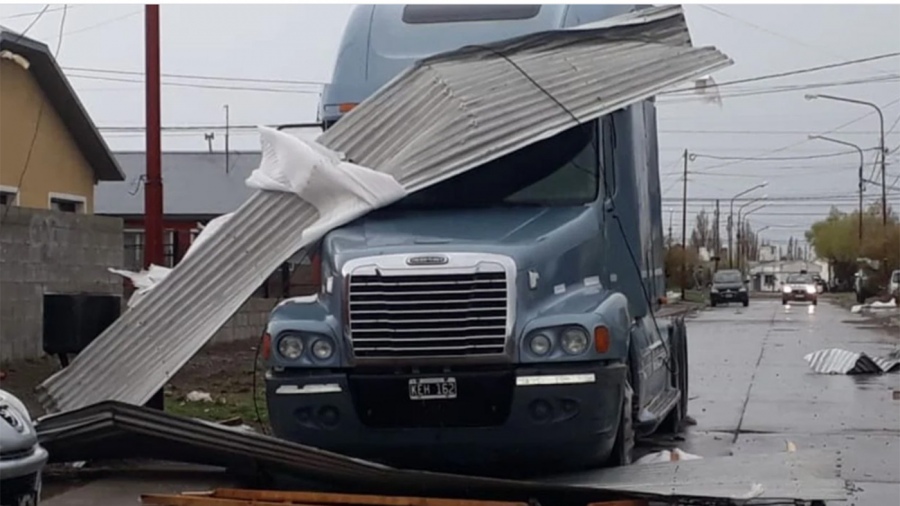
[{"x": 44, "y": 252}]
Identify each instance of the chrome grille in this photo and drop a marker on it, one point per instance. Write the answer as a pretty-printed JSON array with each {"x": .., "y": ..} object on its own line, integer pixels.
[{"x": 416, "y": 315}]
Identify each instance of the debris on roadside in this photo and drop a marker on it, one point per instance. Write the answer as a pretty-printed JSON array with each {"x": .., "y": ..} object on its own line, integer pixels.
[
  {"x": 838, "y": 361},
  {"x": 198, "y": 396},
  {"x": 874, "y": 306},
  {"x": 675, "y": 455}
]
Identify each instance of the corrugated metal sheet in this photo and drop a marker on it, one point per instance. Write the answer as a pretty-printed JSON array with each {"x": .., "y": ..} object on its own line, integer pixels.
[
  {"x": 487, "y": 101},
  {"x": 838, "y": 361},
  {"x": 115, "y": 430},
  {"x": 446, "y": 115}
]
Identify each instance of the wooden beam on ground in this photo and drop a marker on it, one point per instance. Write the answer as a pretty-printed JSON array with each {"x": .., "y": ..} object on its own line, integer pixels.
[
  {"x": 351, "y": 499},
  {"x": 205, "y": 500}
]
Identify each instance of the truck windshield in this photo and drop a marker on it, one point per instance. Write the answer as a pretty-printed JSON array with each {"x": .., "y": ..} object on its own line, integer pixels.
[{"x": 560, "y": 171}]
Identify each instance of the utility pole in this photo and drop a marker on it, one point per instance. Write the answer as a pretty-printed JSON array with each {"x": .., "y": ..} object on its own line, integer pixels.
[
  {"x": 684, "y": 275},
  {"x": 153, "y": 185},
  {"x": 227, "y": 132},
  {"x": 716, "y": 247}
]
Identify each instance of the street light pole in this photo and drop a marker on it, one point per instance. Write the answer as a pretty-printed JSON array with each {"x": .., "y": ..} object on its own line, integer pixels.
[
  {"x": 740, "y": 229},
  {"x": 862, "y": 161},
  {"x": 731, "y": 220},
  {"x": 684, "y": 276},
  {"x": 742, "y": 224},
  {"x": 881, "y": 149}
]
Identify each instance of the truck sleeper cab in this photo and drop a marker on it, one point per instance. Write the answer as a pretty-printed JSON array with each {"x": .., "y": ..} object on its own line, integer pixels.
[{"x": 478, "y": 323}]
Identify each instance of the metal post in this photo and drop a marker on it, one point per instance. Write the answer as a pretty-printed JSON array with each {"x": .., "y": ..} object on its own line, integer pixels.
[
  {"x": 862, "y": 161},
  {"x": 227, "y": 135},
  {"x": 684, "y": 276},
  {"x": 153, "y": 191},
  {"x": 731, "y": 219}
]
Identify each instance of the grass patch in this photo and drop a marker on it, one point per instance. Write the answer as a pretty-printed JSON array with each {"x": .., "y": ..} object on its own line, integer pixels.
[
  {"x": 696, "y": 296},
  {"x": 224, "y": 407}
]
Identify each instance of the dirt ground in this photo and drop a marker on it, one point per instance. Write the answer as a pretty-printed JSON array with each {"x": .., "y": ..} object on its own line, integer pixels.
[{"x": 225, "y": 371}]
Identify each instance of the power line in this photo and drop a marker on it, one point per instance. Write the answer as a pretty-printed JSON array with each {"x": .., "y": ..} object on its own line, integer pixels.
[
  {"x": 760, "y": 132},
  {"x": 199, "y": 77},
  {"x": 104, "y": 22},
  {"x": 777, "y": 158},
  {"x": 771, "y": 32},
  {"x": 34, "y": 21},
  {"x": 794, "y": 72},
  {"x": 679, "y": 99},
  {"x": 197, "y": 85},
  {"x": 46, "y": 9},
  {"x": 804, "y": 141}
]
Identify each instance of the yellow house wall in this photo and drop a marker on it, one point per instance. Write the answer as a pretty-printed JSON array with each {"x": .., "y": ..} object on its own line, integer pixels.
[{"x": 56, "y": 163}]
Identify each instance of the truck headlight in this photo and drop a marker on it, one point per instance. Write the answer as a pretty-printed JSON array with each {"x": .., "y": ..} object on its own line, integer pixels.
[
  {"x": 323, "y": 349},
  {"x": 742, "y": 289},
  {"x": 540, "y": 345},
  {"x": 713, "y": 290},
  {"x": 290, "y": 347},
  {"x": 810, "y": 289},
  {"x": 574, "y": 341},
  {"x": 786, "y": 289}
]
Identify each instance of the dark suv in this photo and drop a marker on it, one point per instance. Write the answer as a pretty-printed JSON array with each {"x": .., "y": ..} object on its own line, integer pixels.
[{"x": 728, "y": 286}]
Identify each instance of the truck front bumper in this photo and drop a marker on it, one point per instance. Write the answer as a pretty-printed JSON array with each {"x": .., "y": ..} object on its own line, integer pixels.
[{"x": 564, "y": 416}]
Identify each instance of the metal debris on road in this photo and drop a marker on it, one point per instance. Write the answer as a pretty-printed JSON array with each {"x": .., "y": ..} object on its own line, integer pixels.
[
  {"x": 838, "y": 361},
  {"x": 113, "y": 430}
]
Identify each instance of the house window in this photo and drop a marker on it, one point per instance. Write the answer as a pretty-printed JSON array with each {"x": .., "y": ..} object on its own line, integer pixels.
[
  {"x": 67, "y": 203},
  {"x": 134, "y": 249},
  {"x": 9, "y": 196},
  {"x": 133, "y": 240}
]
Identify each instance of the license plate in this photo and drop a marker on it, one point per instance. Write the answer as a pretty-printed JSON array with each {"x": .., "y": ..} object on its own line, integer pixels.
[
  {"x": 728, "y": 295},
  {"x": 425, "y": 389}
]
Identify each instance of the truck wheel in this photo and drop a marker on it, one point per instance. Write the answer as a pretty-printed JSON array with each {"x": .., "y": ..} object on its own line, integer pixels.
[
  {"x": 712, "y": 303},
  {"x": 746, "y": 302},
  {"x": 624, "y": 445},
  {"x": 678, "y": 349}
]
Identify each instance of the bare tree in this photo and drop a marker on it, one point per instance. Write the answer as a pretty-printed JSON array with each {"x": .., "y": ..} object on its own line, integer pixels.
[{"x": 702, "y": 235}]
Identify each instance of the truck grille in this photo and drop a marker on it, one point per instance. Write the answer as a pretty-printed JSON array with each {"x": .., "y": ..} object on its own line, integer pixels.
[{"x": 411, "y": 316}]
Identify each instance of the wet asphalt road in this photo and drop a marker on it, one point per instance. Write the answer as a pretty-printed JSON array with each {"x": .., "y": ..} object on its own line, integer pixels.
[{"x": 751, "y": 391}]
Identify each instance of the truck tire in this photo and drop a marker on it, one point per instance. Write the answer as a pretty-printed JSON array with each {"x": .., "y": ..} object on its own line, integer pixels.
[
  {"x": 746, "y": 302},
  {"x": 712, "y": 303},
  {"x": 624, "y": 445},
  {"x": 679, "y": 365}
]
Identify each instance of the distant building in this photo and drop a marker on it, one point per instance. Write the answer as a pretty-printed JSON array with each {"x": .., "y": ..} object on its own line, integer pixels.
[
  {"x": 51, "y": 154},
  {"x": 197, "y": 187},
  {"x": 769, "y": 276},
  {"x": 767, "y": 253}
]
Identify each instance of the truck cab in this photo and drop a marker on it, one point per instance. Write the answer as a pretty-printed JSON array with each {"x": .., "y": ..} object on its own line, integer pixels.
[{"x": 503, "y": 316}]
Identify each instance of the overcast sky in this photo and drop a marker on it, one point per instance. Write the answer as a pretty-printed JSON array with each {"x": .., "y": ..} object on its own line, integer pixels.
[{"x": 298, "y": 43}]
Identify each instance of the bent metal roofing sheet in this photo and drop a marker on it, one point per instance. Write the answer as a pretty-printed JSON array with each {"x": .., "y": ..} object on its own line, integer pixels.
[
  {"x": 113, "y": 430},
  {"x": 445, "y": 115}
]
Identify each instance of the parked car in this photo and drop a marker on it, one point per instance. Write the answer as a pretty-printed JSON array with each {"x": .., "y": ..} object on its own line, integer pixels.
[
  {"x": 894, "y": 284},
  {"x": 22, "y": 459},
  {"x": 800, "y": 288},
  {"x": 728, "y": 286}
]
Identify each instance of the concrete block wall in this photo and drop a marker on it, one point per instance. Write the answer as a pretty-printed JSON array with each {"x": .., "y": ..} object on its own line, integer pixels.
[
  {"x": 49, "y": 252},
  {"x": 247, "y": 323}
]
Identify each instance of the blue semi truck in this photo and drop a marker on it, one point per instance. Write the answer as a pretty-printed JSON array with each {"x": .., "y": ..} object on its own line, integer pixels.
[{"x": 489, "y": 325}]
